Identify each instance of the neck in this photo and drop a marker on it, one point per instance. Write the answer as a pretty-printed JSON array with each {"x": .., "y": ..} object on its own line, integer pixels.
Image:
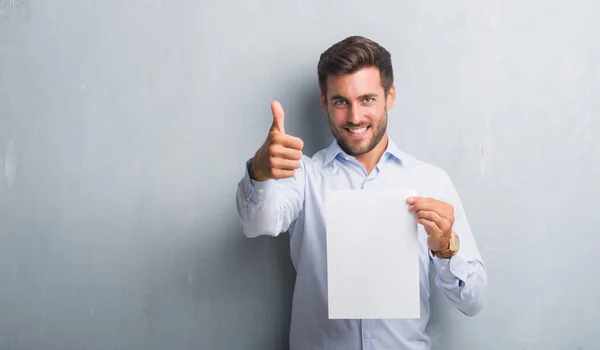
[{"x": 370, "y": 159}]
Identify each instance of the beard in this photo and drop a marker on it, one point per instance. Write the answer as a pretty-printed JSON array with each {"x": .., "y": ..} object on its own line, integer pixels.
[{"x": 352, "y": 148}]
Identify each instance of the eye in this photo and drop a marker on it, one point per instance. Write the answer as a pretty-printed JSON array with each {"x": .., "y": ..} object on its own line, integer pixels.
[
  {"x": 339, "y": 102},
  {"x": 368, "y": 99}
]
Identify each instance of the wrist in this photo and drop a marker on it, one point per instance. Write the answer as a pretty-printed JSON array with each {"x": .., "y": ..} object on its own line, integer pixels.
[
  {"x": 443, "y": 246},
  {"x": 254, "y": 173},
  {"x": 450, "y": 250}
]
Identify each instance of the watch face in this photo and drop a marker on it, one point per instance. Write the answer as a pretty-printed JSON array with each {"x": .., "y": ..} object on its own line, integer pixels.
[{"x": 456, "y": 241}]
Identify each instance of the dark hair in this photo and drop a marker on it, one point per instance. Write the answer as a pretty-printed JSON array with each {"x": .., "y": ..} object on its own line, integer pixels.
[{"x": 350, "y": 55}]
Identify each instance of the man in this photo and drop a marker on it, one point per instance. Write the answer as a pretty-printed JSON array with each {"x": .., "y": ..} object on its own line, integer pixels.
[{"x": 284, "y": 190}]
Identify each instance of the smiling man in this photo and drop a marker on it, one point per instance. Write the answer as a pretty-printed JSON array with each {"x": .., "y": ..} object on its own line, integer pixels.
[{"x": 282, "y": 190}]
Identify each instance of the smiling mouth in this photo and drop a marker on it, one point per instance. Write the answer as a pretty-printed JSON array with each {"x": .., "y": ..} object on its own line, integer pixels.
[{"x": 358, "y": 132}]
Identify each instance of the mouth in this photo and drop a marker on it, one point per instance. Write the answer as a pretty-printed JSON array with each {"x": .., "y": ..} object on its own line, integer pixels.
[{"x": 358, "y": 132}]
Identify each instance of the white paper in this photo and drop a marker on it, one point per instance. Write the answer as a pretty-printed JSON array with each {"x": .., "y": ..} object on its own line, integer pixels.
[{"x": 372, "y": 255}]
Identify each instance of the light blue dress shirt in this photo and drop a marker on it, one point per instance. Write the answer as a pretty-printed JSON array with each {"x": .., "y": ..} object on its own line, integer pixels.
[{"x": 296, "y": 204}]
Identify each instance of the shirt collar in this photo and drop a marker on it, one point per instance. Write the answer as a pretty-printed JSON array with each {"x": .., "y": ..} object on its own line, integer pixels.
[{"x": 334, "y": 150}]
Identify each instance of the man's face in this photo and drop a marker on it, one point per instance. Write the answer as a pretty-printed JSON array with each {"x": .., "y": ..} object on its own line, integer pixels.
[{"x": 357, "y": 107}]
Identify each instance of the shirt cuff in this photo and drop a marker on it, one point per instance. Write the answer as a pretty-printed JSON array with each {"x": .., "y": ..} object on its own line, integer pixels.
[
  {"x": 451, "y": 269},
  {"x": 253, "y": 189}
]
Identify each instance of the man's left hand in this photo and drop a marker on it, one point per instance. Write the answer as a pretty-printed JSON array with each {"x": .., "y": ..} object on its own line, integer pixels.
[{"x": 437, "y": 218}]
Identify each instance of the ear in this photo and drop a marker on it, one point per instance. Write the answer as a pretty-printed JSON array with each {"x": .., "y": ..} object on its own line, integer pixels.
[
  {"x": 323, "y": 102},
  {"x": 391, "y": 97}
]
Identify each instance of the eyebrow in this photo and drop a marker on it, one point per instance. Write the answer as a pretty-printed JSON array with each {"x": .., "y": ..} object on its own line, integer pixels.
[{"x": 340, "y": 97}]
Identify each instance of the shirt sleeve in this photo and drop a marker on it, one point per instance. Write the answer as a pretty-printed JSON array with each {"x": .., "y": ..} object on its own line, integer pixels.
[
  {"x": 462, "y": 278},
  {"x": 269, "y": 207}
]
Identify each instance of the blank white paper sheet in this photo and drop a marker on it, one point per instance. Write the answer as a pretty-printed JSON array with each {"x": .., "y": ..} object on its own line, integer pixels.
[{"x": 372, "y": 255}]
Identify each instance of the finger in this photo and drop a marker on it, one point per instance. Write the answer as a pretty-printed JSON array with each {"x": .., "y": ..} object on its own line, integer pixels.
[
  {"x": 425, "y": 205},
  {"x": 285, "y": 164},
  {"x": 430, "y": 227},
  {"x": 443, "y": 209},
  {"x": 278, "y": 117},
  {"x": 285, "y": 153},
  {"x": 431, "y": 216},
  {"x": 443, "y": 224},
  {"x": 428, "y": 214},
  {"x": 420, "y": 206},
  {"x": 288, "y": 141},
  {"x": 282, "y": 174},
  {"x": 415, "y": 200}
]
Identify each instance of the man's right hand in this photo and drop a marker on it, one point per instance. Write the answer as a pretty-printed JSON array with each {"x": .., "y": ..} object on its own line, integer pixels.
[{"x": 280, "y": 155}]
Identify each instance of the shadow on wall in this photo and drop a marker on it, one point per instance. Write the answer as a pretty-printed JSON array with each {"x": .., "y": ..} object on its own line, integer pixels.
[
  {"x": 269, "y": 295},
  {"x": 219, "y": 281},
  {"x": 446, "y": 324},
  {"x": 259, "y": 296},
  {"x": 304, "y": 116},
  {"x": 438, "y": 325},
  {"x": 315, "y": 129}
]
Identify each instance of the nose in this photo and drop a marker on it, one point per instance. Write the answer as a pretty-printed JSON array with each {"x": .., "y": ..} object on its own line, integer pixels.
[{"x": 354, "y": 113}]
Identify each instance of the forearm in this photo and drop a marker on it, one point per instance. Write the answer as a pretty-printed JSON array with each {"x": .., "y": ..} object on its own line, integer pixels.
[
  {"x": 268, "y": 207},
  {"x": 463, "y": 281}
]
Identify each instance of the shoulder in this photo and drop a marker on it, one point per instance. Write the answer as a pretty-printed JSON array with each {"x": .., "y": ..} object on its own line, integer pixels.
[{"x": 422, "y": 167}]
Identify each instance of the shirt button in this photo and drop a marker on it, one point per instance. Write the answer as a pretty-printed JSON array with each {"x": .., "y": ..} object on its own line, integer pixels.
[
  {"x": 443, "y": 268},
  {"x": 347, "y": 158},
  {"x": 369, "y": 335},
  {"x": 260, "y": 190}
]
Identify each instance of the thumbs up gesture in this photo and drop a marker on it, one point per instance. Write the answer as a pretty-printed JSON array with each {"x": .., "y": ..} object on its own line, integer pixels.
[{"x": 280, "y": 154}]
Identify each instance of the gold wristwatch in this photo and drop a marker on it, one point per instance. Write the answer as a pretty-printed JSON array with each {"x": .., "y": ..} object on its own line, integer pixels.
[{"x": 452, "y": 249}]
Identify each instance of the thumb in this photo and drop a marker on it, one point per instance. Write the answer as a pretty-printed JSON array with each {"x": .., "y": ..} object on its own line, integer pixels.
[{"x": 278, "y": 117}]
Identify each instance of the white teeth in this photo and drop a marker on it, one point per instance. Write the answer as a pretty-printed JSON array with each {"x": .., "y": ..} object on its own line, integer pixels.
[{"x": 358, "y": 131}]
